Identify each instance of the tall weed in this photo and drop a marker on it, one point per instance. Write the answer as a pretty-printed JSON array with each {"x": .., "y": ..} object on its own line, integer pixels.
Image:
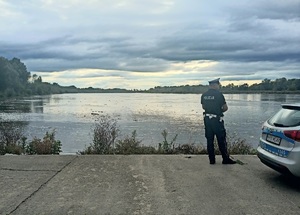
[
  {"x": 166, "y": 146},
  {"x": 105, "y": 132}
]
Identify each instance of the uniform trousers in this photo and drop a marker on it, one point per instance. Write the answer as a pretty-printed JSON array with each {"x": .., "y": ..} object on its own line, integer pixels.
[{"x": 215, "y": 127}]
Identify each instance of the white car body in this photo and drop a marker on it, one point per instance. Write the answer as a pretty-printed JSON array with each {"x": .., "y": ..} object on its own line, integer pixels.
[{"x": 279, "y": 145}]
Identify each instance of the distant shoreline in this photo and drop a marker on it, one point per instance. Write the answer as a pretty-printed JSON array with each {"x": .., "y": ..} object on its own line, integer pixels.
[{"x": 146, "y": 92}]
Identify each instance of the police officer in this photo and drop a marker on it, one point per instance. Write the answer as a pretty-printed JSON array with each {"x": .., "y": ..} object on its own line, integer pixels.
[{"x": 214, "y": 105}]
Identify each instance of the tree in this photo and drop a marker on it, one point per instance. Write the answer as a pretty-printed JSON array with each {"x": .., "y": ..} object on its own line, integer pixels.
[
  {"x": 266, "y": 84},
  {"x": 13, "y": 76},
  {"x": 280, "y": 84},
  {"x": 293, "y": 84},
  {"x": 244, "y": 86},
  {"x": 20, "y": 68}
]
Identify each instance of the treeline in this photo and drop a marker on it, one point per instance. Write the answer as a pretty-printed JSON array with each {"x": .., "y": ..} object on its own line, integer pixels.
[
  {"x": 281, "y": 85},
  {"x": 267, "y": 85},
  {"x": 15, "y": 80}
]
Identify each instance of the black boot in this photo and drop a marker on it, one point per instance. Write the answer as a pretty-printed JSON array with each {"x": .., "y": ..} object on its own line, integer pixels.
[
  {"x": 212, "y": 159},
  {"x": 228, "y": 161}
]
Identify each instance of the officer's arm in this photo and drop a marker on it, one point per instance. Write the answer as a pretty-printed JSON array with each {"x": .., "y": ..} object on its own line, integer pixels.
[{"x": 224, "y": 108}]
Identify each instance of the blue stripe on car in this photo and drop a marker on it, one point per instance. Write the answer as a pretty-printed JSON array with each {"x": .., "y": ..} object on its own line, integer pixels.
[{"x": 274, "y": 150}]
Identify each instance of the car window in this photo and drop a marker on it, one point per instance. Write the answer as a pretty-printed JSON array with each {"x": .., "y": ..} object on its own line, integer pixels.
[{"x": 286, "y": 118}]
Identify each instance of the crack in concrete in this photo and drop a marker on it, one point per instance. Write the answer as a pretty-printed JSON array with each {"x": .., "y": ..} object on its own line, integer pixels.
[
  {"x": 42, "y": 185},
  {"x": 28, "y": 170}
]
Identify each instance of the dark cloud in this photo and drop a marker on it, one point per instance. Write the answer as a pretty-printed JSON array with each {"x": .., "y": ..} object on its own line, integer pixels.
[
  {"x": 253, "y": 38},
  {"x": 280, "y": 10}
]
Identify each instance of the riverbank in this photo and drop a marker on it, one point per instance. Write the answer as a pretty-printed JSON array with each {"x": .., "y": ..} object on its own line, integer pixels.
[{"x": 142, "y": 184}]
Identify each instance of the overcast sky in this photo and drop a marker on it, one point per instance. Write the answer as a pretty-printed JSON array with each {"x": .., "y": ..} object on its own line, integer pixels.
[{"x": 139, "y": 44}]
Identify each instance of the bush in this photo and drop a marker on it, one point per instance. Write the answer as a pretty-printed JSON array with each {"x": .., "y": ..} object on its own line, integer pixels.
[
  {"x": 190, "y": 149},
  {"x": 146, "y": 150},
  {"x": 12, "y": 141},
  {"x": 11, "y": 133},
  {"x": 240, "y": 147},
  {"x": 46, "y": 146},
  {"x": 14, "y": 149},
  {"x": 105, "y": 132},
  {"x": 129, "y": 145}
]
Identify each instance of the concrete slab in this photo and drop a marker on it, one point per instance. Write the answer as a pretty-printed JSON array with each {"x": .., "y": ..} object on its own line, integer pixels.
[
  {"x": 17, "y": 186},
  {"x": 22, "y": 176},
  {"x": 157, "y": 184}
]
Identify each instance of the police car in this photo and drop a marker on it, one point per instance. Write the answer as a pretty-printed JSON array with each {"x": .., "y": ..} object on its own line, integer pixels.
[{"x": 279, "y": 145}]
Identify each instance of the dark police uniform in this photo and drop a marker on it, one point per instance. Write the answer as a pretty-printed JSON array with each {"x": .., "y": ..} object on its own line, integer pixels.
[{"x": 213, "y": 101}]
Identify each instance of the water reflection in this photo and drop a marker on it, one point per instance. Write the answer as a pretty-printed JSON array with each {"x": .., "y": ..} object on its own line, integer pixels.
[
  {"x": 37, "y": 106},
  {"x": 14, "y": 107},
  {"x": 28, "y": 105},
  {"x": 37, "y": 103},
  {"x": 283, "y": 98}
]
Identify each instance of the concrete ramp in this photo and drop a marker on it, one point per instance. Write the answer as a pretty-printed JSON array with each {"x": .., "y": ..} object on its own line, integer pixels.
[{"x": 143, "y": 184}]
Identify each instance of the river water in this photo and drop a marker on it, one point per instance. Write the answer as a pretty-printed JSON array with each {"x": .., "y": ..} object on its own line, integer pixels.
[{"x": 73, "y": 116}]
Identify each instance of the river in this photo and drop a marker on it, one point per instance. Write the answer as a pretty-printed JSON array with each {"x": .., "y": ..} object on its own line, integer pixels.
[{"x": 73, "y": 116}]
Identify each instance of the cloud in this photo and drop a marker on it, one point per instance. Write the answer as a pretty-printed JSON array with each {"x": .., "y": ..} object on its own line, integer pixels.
[{"x": 161, "y": 42}]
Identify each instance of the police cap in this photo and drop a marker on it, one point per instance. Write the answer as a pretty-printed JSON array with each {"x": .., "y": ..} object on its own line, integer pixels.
[{"x": 215, "y": 81}]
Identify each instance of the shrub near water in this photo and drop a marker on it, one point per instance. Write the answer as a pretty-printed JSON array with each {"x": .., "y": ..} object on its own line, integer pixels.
[
  {"x": 105, "y": 132},
  {"x": 130, "y": 145},
  {"x": 12, "y": 141},
  {"x": 235, "y": 147},
  {"x": 11, "y": 132},
  {"x": 46, "y": 146}
]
